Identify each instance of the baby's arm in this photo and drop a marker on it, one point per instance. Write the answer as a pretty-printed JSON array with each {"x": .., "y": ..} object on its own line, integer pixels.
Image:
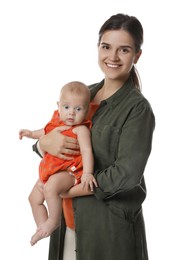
[
  {"x": 84, "y": 140},
  {"x": 36, "y": 134}
]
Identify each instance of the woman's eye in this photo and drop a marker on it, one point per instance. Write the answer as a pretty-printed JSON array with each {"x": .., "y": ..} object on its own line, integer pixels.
[
  {"x": 105, "y": 47},
  {"x": 124, "y": 50}
]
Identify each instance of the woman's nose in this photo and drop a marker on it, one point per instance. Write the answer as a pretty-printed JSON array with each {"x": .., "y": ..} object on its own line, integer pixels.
[{"x": 114, "y": 55}]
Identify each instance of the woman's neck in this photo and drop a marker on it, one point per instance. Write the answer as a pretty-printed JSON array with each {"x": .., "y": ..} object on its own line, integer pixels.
[{"x": 108, "y": 89}]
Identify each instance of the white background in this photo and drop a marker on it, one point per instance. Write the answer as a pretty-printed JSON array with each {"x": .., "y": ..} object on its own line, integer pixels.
[{"x": 43, "y": 45}]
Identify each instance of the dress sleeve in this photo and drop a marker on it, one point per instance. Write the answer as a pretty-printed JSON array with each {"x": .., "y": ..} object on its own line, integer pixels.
[
  {"x": 134, "y": 148},
  {"x": 35, "y": 148}
]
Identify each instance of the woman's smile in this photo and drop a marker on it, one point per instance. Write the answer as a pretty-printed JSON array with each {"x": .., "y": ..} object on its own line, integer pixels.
[{"x": 112, "y": 65}]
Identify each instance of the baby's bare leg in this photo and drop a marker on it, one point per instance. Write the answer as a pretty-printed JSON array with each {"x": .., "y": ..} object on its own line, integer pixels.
[
  {"x": 56, "y": 184},
  {"x": 36, "y": 199}
]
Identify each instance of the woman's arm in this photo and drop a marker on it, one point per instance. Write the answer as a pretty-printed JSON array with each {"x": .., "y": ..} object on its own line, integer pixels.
[
  {"x": 134, "y": 147},
  {"x": 76, "y": 191}
]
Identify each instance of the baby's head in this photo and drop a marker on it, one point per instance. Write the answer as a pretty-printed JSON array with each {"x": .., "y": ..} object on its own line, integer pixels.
[{"x": 74, "y": 103}]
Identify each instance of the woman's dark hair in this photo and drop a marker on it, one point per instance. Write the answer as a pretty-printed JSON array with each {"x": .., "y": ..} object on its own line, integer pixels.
[{"x": 132, "y": 25}]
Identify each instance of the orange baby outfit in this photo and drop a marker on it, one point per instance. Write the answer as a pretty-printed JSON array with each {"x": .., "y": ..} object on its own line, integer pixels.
[{"x": 51, "y": 164}]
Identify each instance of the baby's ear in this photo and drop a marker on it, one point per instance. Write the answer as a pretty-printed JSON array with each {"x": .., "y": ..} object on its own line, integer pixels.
[{"x": 58, "y": 103}]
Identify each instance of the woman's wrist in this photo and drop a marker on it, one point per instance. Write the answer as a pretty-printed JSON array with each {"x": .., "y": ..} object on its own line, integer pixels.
[{"x": 76, "y": 191}]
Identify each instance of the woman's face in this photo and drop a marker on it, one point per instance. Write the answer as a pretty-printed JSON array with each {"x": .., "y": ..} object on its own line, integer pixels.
[{"x": 116, "y": 54}]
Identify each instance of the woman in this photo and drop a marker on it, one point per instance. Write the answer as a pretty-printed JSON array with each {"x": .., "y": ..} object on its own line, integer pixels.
[{"x": 109, "y": 223}]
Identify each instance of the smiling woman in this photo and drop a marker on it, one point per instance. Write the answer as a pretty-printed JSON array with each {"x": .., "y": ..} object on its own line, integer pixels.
[
  {"x": 117, "y": 54},
  {"x": 109, "y": 223},
  {"x": 119, "y": 51},
  {"x": 45, "y": 44}
]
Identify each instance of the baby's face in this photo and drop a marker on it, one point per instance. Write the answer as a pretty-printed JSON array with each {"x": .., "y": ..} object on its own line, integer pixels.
[{"x": 72, "y": 108}]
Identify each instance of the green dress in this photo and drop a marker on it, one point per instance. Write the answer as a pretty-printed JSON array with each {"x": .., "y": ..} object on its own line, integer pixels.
[{"x": 110, "y": 224}]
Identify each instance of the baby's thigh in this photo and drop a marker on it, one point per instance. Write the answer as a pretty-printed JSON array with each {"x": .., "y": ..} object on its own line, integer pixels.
[{"x": 60, "y": 182}]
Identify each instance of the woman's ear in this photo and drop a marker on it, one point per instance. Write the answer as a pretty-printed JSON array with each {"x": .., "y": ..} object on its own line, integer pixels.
[{"x": 138, "y": 54}]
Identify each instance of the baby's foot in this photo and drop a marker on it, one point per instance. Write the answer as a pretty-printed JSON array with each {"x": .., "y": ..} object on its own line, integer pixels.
[
  {"x": 37, "y": 236},
  {"x": 43, "y": 231}
]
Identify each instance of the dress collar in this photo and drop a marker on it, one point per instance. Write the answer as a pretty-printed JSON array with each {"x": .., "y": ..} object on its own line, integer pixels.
[{"x": 117, "y": 96}]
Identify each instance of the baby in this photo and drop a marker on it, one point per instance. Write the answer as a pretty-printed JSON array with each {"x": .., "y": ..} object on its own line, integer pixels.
[{"x": 57, "y": 175}]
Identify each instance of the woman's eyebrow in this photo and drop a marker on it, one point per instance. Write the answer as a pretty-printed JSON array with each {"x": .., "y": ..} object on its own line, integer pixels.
[
  {"x": 104, "y": 43},
  {"x": 121, "y": 46},
  {"x": 126, "y": 46}
]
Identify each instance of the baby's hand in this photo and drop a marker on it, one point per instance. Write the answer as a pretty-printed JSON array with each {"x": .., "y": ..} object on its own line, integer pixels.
[
  {"x": 25, "y": 132},
  {"x": 88, "y": 181}
]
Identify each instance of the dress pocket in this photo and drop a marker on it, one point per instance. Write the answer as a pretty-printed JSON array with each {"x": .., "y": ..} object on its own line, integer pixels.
[
  {"x": 116, "y": 211},
  {"x": 105, "y": 143}
]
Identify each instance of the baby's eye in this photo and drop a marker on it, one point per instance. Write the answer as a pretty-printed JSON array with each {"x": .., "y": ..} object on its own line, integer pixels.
[
  {"x": 78, "y": 109},
  {"x": 66, "y": 107}
]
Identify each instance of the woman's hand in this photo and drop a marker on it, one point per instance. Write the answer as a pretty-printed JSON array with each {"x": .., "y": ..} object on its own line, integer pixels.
[{"x": 57, "y": 144}]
